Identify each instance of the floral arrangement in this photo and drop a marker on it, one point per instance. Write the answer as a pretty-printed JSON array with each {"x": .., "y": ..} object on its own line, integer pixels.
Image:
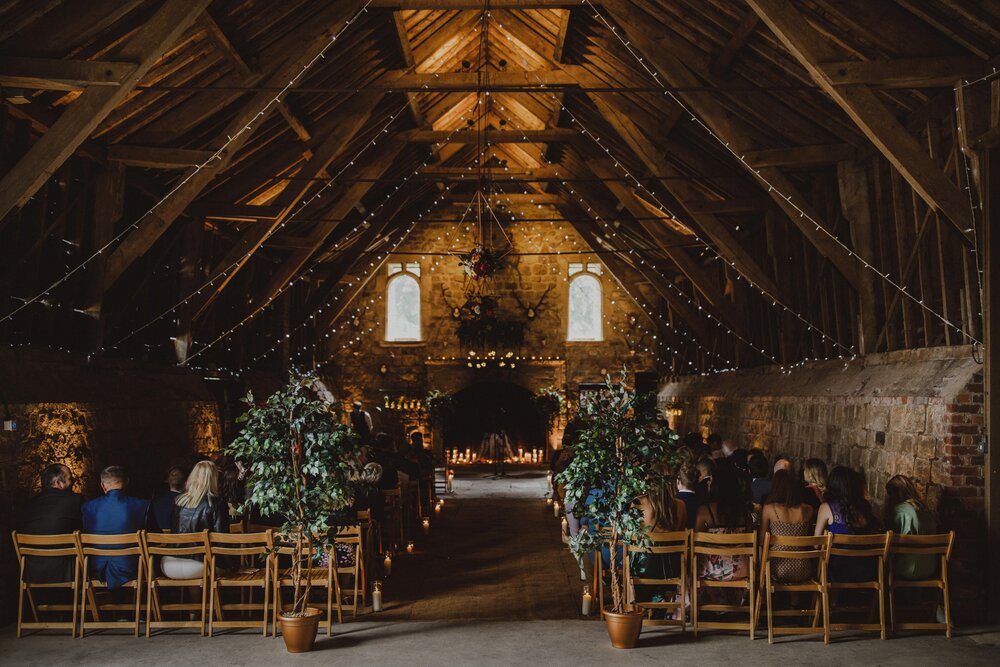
[{"x": 481, "y": 263}]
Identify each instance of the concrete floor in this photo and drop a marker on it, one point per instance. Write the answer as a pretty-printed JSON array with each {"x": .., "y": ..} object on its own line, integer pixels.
[{"x": 482, "y": 590}]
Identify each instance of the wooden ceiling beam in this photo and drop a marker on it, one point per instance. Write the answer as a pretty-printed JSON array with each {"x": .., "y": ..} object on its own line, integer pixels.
[
  {"x": 352, "y": 119},
  {"x": 494, "y": 136},
  {"x": 939, "y": 71},
  {"x": 154, "y": 157},
  {"x": 724, "y": 61},
  {"x": 869, "y": 113},
  {"x": 94, "y": 104},
  {"x": 719, "y": 118},
  {"x": 314, "y": 38},
  {"x": 382, "y": 158},
  {"x": 801, "y": 156},
  {"x": 477, "y": 5},
  {"x": 56, "y": 74},
  {"x": 470, "y": 81}
]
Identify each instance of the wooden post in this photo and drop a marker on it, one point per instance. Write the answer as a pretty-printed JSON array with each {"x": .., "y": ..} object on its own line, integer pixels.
[
  {"x": 109, "y": 202},
  {"x": 991, "y": 319},
  {"x": 855, "y": 201}
]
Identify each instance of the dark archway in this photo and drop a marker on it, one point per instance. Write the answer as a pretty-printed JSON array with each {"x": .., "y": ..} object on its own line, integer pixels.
[{"x": 491, "y": 405}]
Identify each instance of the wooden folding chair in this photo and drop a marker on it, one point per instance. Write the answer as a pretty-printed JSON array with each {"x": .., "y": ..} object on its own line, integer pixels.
[
  {"x": 320, "y": 577},
  {"x": 730, "y": 545},
  {"x": 662, "y": 544},
  {"x": 46, "y": 546},
  {"x": 603, "y": 535},
  {"x": 351, "y": 536},
  {"x": 177, "y": 545},
  {"x": 922, "y": 545},
  {"x": 129, "y": 544},
  {"x": 795, "y": 548},
  {"x": 252, "y": 553},
  {"x": 861, "y": 546}
]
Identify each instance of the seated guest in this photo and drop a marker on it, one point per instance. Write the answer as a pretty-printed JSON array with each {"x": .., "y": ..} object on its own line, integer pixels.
[
  {"x": 661, "y": 511},
  {"x": 906, "y": 514},
  {"x": 199, "y": 508},
  {"x": 782, "y": 462},
  {"x": 760, "y": 485},
  {"x": 787, "y": 515},
  {"x": 706, "y": 468},
  {"x": 729, "y": 511},
  {"x": 713, "y": 444},
  {"x": 741, "y": 459},
  {"x": 728, "y": 447},
  {"x": 163, "y": 504},
  {"x": 54, "y": 511},
  {"x": 385, "y": 455},
  {"x": 232, "y": 490},
  {"x": 687, "y": 483},
  {"x": 847, "y": 512},
  {"x": 114, "y": 513},
  {"x": 814, "y": 473}
]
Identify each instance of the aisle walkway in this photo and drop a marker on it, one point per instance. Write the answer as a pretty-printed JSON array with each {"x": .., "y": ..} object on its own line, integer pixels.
[{"x": 494, "y": 553}]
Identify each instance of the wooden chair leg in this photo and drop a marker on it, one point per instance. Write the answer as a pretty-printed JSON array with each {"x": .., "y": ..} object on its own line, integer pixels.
[
  {"x": 946, "y": 593},
  {"x": 149, "y": 606},
  {"x": 826, "y": 614},
  {"x": 881, "y": 602},
  {"x": 770, "y": 608}
]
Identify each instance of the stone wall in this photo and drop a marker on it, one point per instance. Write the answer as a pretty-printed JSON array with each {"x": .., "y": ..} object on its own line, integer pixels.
[
  {"x": 911, "y": 412},
  {"x": 365, "y": 366}
]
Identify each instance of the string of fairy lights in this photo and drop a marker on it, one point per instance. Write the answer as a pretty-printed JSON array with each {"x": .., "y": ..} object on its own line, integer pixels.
[
  {"x": 238, "y": 262},
  {"x": 216, "y": 156},
  {"x": 474, "y": 111},
  {"x": 776, "y": 302},
  {"x": 884, "y": 275}
]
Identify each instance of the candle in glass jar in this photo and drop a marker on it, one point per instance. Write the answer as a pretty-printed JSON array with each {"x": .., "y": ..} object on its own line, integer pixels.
[
  {"x": 548, "y": 501},
  {"x": 388, "y": 564},
  {"x": 377, "y": 596},
  {"x": 565, "y": 525},
  {"x": 427, "y": 525},
  {"x": 587, "y": 600},
  {"x": 555, "y": 509},
  {"x": 409, "y": 547},
  {"x": 437, "y": 508}
]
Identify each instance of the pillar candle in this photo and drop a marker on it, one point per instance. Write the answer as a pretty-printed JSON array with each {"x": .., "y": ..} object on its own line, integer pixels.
[
  {"x": 587, "y": 599},
  {"x": 409, "y": 547},
  {"x": 427, "y": 525},
  {"x": 377, "y": 597},
  {"x": 388, "y": 564}
]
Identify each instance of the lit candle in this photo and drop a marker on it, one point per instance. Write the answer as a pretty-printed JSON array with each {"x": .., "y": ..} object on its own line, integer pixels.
[
  {"x": 549, "y": 478},
  {"x": 437, "y": 508},
  {"x": 427, "y": 525},
  {"x": 409, "y": 547},
  {"x": 377, "y": 596},
  {"x": 565, "y": 525},
  {"x": 587, "y": 599},
  {"x": 548, "y": 501},
  {"x": 555, "y": 509},
  {"x": 388, "y": 563}
]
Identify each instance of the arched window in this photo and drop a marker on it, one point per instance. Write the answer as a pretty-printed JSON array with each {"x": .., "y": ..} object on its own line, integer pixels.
[
  {"x": 585, "y": 303},
  {"x": 402, "y": 319}
]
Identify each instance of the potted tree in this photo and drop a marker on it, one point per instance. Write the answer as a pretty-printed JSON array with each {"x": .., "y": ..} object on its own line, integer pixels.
[
  {"x": 301, "y": 465},
  {"x": 614, "y": 459}
]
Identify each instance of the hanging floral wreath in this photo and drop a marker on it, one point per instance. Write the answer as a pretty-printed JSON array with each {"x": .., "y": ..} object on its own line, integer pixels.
[
  {"x": 482, "y": 325},
  {"x": 481, "y": 263}
]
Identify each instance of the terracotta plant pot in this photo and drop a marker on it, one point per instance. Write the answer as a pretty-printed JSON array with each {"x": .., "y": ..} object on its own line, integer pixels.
[
  {"x": 624, "y": 629},
  {"x": 299, "y": 632}
]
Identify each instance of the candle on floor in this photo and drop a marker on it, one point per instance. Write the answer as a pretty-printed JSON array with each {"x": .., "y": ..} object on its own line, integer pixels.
[
  {"x": 548, "y": 501},
  {"x": 555, "y": 509},
  {"x": 549, "y": 478},
  {"x": 587, "y": 599},
  {"x": 564, "y": 524},
  {"x": 437, "y": 508},
  {"x": 388, "y": 564},
  {"x": 409, "y": 547},
  {"x": 377, "y": 596},
  {"x": 427, "y": 525}
]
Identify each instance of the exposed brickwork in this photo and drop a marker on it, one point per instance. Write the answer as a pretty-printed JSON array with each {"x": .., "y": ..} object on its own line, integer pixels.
[{"x": 915, "y": 412}]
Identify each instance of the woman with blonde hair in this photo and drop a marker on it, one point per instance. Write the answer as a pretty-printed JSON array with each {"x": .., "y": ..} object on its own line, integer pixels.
[
  {"x": 814, "y": 473},
  {"x": 199, "y": 508},
  {"x": 906, "y": 514}
]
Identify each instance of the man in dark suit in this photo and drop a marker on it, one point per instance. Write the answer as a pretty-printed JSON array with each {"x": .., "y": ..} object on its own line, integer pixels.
[
  {"x": 114, "y": 513},
  {"x": 163, "y": 504},
  {"x": 54, "y": 511}
]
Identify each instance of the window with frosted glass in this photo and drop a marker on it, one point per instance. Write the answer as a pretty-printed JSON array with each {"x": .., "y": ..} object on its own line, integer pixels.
[
  {"x": 585, "y": 308},
  {"x": 402, "y": 308}
]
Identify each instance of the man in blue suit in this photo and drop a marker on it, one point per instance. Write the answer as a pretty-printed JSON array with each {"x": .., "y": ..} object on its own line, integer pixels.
[{"x": 114, "y": 513}]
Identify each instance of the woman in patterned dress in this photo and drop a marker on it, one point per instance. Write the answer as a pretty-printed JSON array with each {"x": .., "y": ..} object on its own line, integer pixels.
[{"x": 786, "y": 515}]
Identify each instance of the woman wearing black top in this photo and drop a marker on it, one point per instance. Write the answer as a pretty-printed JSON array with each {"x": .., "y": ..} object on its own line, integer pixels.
[{"x": 199, "y": 508}]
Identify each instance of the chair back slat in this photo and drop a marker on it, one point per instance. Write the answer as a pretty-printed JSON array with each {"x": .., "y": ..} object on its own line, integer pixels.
[
  {"x": 851, "y": 546},
  {"x": 241, "y": 544},
  {"x": 44, "y": 546},
  {"x": 129, "y": 544},
  {"x": 176, "y": 544},
  {"x": 796, "y": 547},
  {"x": 723, "y": 544},
  {"x": 923, "y": 545}
]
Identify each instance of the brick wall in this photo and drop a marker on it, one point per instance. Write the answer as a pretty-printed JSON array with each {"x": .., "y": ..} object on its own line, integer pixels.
[{"x": 912, "y": 412}]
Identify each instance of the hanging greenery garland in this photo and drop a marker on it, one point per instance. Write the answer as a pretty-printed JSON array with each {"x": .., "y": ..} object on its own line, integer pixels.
[{"x": 481, "y": 263}]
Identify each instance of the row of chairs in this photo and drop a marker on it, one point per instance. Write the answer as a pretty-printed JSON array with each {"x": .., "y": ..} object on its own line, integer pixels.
[
  {"x": 761, "y": 583},
  {"x": 250, "y": 562}
]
